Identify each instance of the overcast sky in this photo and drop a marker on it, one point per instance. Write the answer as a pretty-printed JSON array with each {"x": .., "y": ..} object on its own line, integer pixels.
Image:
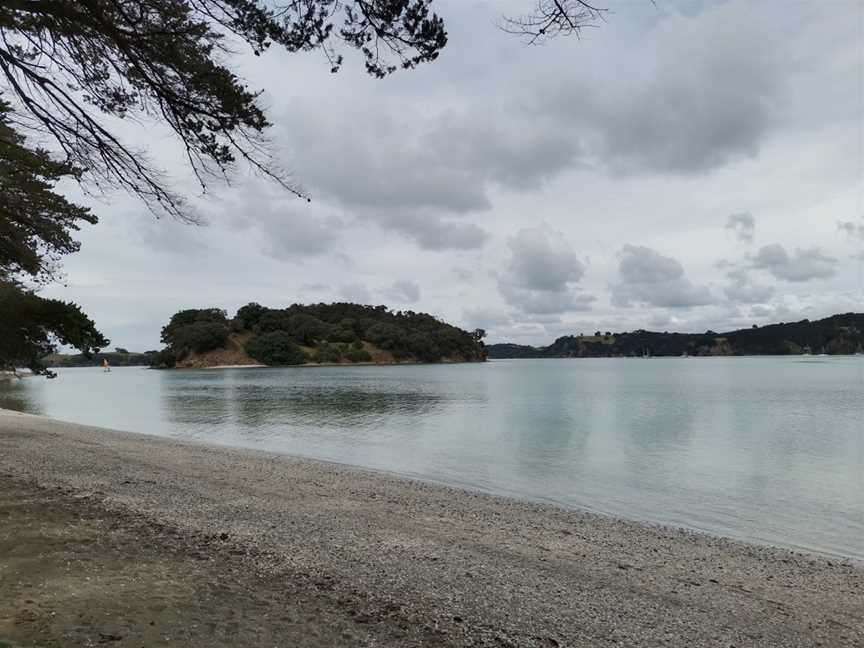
[{"x": 685, "y": 166}]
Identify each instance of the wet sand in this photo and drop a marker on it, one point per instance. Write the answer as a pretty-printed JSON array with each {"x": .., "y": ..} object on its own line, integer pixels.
[{"x": 110, "y": 538}]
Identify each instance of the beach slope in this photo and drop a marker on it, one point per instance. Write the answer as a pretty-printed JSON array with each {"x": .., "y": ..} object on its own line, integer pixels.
[{"x": 109, "y": 538}]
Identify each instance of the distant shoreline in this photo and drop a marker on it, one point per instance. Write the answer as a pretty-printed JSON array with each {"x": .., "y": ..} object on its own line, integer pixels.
[{"x": 367, "y": 555}]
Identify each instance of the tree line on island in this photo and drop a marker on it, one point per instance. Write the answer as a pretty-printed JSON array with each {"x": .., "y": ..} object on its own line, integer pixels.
[
  {"x": 338, "y": 333},
  {"x": 838, "y": 334}
]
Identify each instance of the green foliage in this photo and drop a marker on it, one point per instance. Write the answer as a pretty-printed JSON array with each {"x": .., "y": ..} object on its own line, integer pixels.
[
  {"x": 164, "y": 359},
  {"x": 344, "y": 331},
  {"x": 335, "y": 331},
  {"x": 249, "y": 315},
  {"x": 328, "y": 353},
  {"x": 303, "y": 328},
  {"x": 198, "y": 330},
  {"x": 36, "y": 224},
  {"x": 200, "y": 337},
  {"x": 386, "y": 335},
  {"x": 32, "y": 327},
  {"x": 128, "y": 359},
  {"x": 36, "y": 228},
  {"x": 841, "y": 334},
  {"x": 306, "y": 329},
  {"x": 405, "y": 334},
  {"x": 192, "y": 316},
  {"x": 275, "y": 348},
  {"x": 357, "y": 355}
]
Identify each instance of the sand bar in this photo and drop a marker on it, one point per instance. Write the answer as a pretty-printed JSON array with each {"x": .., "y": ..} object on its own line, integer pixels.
[{"x": 110, "y": 538}]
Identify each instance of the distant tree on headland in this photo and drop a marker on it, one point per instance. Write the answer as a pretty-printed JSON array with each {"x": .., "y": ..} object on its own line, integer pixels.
[
  {"x": 323, "y": 333},
  {"x": 838, "y": 334}
]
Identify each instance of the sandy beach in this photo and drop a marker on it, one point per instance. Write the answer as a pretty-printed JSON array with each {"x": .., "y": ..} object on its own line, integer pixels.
[{"x": 110, "y": 538}]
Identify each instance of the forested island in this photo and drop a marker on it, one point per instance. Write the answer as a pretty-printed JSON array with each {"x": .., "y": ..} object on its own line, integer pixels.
[
  {"x": 118, "y": 358},
  {"x": 338, "y": 333},
  {"x": 838, "y": 334}
]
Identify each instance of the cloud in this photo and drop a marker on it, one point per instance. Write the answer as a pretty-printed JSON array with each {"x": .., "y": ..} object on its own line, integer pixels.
[
  {"x": 685, "y": 119},
  {"x": 288, "y": 228},
  {"x": 462, "y": 273},
  {"x": 802, "y": 265},
  {"x": 485, "y": 318},
  {"x": 417, "y": 167},
  {"x": 541, "y": 273},
  {"x": 741, "y": 288},
  {"x": 852, "y": 230},
  {"x": 431, "y": 231},
  {"x": 314, "y": 287},
  {"x": 774, "y": 313},
  {"x": 355, "y": 292},
  {"x": 403, "y": 291},
  {"x": 651, "y": 279},
  {"x": 743, "y": 225}
]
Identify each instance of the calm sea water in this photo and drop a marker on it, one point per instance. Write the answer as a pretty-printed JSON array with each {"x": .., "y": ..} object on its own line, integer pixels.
[{"x": 763, "y": 449}]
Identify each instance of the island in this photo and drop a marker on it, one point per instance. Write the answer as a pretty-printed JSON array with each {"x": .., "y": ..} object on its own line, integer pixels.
[
  {"x": 120, "y": 357},
  {"x": 331, "y": 334},
  {"x": 835, "y": 335}
]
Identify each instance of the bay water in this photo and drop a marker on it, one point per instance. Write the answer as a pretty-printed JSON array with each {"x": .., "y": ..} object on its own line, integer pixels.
[{"x": 767, "y": 450}]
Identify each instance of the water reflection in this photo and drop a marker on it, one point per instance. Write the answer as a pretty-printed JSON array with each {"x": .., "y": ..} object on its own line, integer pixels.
[
  {"x": 15, "y": 395},
  {"x": 260, "y": 405},
  {"x": 766, "y": 449}
]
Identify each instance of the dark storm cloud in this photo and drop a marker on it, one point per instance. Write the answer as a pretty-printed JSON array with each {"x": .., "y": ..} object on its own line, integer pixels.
[
  {"x": 403, "y": 291},
  {"x": 743, "y": 225},
  {"x": 800, "y": 266},
  {"x": 541, "y": 273},
  {"x": 648, "y": 278}
]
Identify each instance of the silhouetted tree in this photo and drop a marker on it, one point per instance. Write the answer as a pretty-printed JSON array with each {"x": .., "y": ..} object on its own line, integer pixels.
[
  {"x": 32, "y": 327},
  {"x": 552, "y": 18},
  {"x": 36, "y": 228},
  {"x": 65, "y": 63}
]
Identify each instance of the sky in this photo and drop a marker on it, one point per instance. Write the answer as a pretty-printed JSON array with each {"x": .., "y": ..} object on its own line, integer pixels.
[{"x": 683, "y": 166}]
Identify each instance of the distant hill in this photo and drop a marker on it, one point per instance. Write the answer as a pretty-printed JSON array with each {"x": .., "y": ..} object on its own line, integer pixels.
[
  {"x": 115, "y": 359},
  {"x": 838, "y": 334},
  {"x": 339, "y": 333}
]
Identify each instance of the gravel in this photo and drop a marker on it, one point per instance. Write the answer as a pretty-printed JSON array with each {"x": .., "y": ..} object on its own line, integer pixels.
[{"x": 413, "y": 563}]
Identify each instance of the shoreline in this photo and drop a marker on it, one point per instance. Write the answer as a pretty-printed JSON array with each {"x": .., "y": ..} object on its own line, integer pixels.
[{"x": 461, "y": 568}]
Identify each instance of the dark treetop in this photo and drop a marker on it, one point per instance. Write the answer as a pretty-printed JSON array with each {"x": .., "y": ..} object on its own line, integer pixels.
[
  {"x": 339, "y": 332},
  {"x": 840, "y": 334}
]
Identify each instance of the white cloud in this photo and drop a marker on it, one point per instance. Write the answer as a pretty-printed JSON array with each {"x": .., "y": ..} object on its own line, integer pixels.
[
  {"x": 542, "y": 273},
  {"x": 743, "y": 225},
  {"x": 403, "y": 291},
  {"x": 649, "y": 278},
  {"x": 802, "y": 265}
]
